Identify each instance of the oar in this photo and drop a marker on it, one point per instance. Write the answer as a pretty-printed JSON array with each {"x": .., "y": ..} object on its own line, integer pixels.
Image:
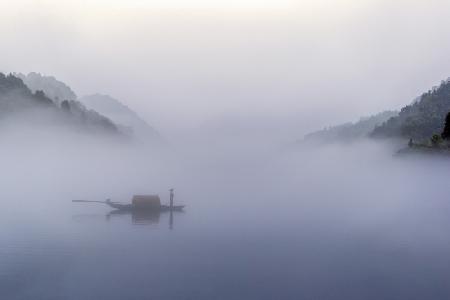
[{"x": 88, "y": 201}]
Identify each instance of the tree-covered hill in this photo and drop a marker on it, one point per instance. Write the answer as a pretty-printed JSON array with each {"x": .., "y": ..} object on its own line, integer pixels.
[
  {"x": 56, "y": 90},
  {"x": 19, "y": 103},
  {"x": 92, "y": 107},
  {"x": 421, "y": 119},
  {"x": 15, "y": 96}
]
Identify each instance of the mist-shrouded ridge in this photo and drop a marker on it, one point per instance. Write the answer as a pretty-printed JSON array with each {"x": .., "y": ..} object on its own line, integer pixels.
[
  {"x": 123, "y": 116},
  {"x": 234, "y": 85},
  {"x": 56, "y": 90},
  {"x": 15, "y": 96},
  {"x": 22, "y": 107},
  {"x": 349, "y": 132},
  {"x": 419, "y": 120},
  {"x": 93, "y": 108}
]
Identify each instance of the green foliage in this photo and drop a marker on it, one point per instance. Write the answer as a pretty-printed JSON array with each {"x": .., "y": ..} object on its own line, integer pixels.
[
  {"x": 421, "y": 119},
  {"x": 436, "y": 140}
]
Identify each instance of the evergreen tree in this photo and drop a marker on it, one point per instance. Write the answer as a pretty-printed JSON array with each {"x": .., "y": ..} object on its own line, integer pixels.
[{"x": 446, "y": 133}]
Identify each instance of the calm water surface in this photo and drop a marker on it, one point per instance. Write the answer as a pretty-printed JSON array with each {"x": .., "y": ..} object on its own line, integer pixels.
[{"x": 287, "y": 230}]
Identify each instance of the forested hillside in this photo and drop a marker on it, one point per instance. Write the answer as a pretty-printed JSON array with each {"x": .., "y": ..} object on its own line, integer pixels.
[
  {"x": 56, "y": 90},
  {"x": 18, "y": 103},
  {"x": 421, "y": 119}
]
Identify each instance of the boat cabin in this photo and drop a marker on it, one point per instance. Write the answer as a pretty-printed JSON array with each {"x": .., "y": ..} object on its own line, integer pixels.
[{"x": 146, "y": 201}]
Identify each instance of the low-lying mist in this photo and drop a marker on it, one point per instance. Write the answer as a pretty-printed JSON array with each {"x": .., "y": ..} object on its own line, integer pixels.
[
  {"x": 48, "y": 166},
  {"x": 327, "y": 216}
]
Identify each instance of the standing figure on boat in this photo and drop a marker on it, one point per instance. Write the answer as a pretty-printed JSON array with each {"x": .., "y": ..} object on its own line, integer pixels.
[{"x": 171, "y": 198}]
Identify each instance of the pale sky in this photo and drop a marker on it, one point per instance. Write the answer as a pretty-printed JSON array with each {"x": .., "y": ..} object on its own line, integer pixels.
[{"x": 180, "y": 63}]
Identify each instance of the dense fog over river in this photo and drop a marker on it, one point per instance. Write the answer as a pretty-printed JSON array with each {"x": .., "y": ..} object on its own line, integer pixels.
[
  {"x": 330, "y": 222},
  {"x": 105, "y": 104}
]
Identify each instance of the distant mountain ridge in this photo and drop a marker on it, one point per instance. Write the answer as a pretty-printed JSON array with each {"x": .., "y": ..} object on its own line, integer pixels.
[
  {"x": 56, "y": 90},
  {"x": 92, "y": 107},
  {"x": 15, "y": 96},
  {"x": 123, "y": 116},
  {"x": 17, "y": 99},
  {"x": 348, "y": 132},
  {"x": 421, "y": 119}
]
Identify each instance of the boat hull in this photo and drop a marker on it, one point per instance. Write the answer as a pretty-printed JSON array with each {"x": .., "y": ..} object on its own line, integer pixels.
[{"x": 131, "y": 207}]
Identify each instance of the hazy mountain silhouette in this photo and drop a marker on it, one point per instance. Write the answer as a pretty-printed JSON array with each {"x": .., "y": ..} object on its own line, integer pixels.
[
  {"x": 123, "y": 116},
  {"x": 56, "y": 90},
  {"x": 348, "y": 132},
  {"x": 420, "y": 120},
  {"x": 19, "y": 103}
]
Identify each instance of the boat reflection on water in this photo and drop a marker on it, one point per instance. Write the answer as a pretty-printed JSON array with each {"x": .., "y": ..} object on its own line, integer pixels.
[
  {"x": 144, "y": 209},
  {"x": 144, "y": 217}
]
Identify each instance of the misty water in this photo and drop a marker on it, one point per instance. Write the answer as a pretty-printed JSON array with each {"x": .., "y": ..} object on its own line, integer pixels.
[{"x": 332, "y": 222}]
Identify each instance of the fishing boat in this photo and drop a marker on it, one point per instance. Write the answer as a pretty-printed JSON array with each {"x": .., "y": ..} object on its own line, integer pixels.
[{"x": 140, "y": 203}]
